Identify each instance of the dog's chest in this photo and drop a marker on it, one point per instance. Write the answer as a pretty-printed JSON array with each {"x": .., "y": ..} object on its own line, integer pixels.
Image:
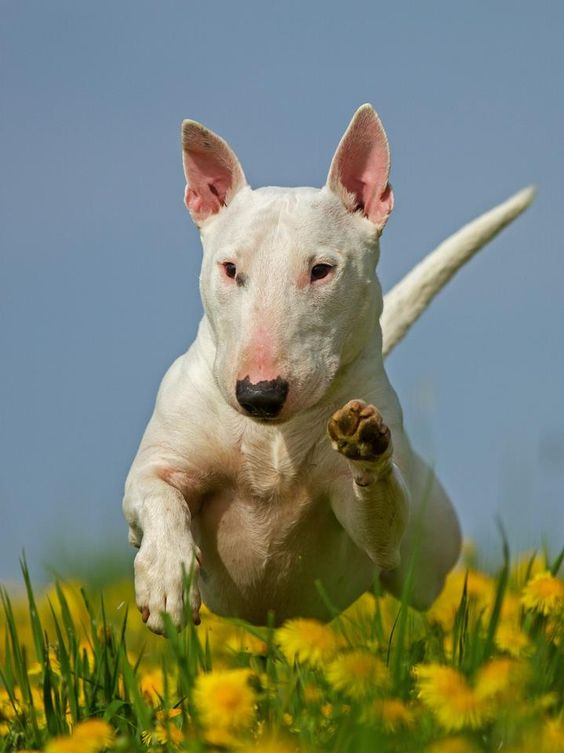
[
  {"x": 260, "y": 508},
  {"x": 267, "y": 467}
]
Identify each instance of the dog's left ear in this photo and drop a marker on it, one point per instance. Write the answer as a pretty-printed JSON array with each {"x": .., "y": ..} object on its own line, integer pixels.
[
  {"x": 360, "y": 168},
  {"x": 212, "y": 170}
]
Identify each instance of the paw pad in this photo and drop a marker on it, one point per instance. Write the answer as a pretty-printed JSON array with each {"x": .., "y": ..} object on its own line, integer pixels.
[{"x": 358, "y": 431}]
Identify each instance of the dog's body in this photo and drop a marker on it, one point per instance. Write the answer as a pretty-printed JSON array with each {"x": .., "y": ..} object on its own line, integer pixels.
[{"x": 236, "y": 478}]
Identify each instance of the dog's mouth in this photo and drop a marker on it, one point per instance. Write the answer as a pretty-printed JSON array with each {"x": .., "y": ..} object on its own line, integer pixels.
[{"x": 266, "y": 420}]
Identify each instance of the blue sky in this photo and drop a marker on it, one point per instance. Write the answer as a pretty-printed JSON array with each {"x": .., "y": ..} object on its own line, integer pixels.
[{"x": 99, "y": 260}]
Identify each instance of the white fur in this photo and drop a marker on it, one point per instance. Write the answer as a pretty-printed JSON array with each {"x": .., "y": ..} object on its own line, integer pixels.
[{"x": 270, "y": 507}]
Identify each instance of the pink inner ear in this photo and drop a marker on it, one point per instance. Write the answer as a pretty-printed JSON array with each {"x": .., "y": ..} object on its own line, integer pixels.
[
  {"x": 360, "y": 169},
  {"x": 212, "y": 171},
  {"x": 209, "y": 183}
]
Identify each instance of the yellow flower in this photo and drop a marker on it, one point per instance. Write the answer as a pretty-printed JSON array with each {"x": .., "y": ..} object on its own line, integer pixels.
[
  {"x": 510, "y": 638},
  {"x": 447, "y": 693},
  {"x": 527, "y": 565},
  {"x": 360, "y": 611},
  {"x": 64, "y": 745},
  {"x": 480, "y": 593},
  {"x": 151, "y": 685},
  {"x": 392, "y": 712},
  {"x": 224, "y": 699},
  {"x": 35, "y": 669},
  {"x": 242, "y": 641},
  {"x": 511, "y": 608},
  {"x": 147, "y": 737},
  {"x": 307, "y": 641},
  {"x": 168, "y": 733},
  {"x": 357, "y": 674},
  {"x": 312, "y": 694},
  {"x": 225, "y": 638},
  {"x": 165, "y": 714},
  {"x": 498, "y": 678},
  {"x": 91, "y": 736},
  {"x": 543, "y": 593},
  {"x": 94, "y": 735},
  {"x": 452, "y": 745}
]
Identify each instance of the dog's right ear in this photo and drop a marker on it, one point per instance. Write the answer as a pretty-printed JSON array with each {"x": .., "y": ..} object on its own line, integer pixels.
[{"x": 213, "y": 173}]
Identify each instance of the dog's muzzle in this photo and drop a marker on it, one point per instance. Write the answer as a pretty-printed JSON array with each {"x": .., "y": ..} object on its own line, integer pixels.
[{"x": 263, "y": 399}]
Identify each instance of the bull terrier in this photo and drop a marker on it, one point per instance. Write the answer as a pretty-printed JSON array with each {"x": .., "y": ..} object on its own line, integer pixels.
[{"x": 276, "y": 455}]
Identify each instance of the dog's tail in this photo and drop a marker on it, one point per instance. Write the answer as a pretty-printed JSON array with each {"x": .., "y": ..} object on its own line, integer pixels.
[{"x": 407, "y": 300}]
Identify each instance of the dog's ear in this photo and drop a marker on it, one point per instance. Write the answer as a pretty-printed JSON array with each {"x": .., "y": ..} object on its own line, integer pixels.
[
  {"x": 213, "y": 173},
  {"x": 361, "y": 166}
]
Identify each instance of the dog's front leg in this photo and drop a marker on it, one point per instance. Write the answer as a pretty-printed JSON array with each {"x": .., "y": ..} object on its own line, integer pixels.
[
  {"x": 160, "y": 525},
  {"x": 376, "y": 517}
]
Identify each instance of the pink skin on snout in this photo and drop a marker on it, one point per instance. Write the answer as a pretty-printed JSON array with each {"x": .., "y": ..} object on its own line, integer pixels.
[{"x": 259, "y": 362}]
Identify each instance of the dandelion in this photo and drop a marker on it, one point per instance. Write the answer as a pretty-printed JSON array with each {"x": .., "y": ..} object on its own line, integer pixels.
[
  {"x": 497, "y": 678},
  {"x": 357, "y": 674},
  {"x": 447, "y": 694},
  {"x": 64, "y": 745},
  {"x": 168, "y": 733},
  {"x": 512, "y": 640},
  {"x": 35, "y": 669},
  {"x": 224, "y": 638},
  {"x": 543, "y": 593},
  {"x": 526, "y": 565},
  {"x": 165, "y": 714},
  {"x": 360, "y": 611},
  {"x": 480, "y": 589},
  {"x": 391, "y": 712},
  {"x": 312, "y": 694},
  {"x": 240, "y": 641},
  {"x": 151, "y": 685},
  {"x": 94, "y": 735},
  {"x": 147, "y": 737},
  {"x": 224, "y": 699},
  {"x": 308, "y": 641},
  {"x": 511, "y": 608}
]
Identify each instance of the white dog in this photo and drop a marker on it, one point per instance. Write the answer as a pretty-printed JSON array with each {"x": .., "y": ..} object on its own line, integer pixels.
[{"x": 276, "y": 456}]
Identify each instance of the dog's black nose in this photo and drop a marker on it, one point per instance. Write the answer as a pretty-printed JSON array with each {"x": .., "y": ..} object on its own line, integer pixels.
[{"x": 263, "y": 399}]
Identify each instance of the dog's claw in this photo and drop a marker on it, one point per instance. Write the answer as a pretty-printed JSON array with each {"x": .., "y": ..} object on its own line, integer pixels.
[{"x": 358, "y": 431}]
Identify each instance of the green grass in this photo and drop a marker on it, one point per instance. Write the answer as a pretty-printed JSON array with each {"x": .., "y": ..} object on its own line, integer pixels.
[{"x": 68, "y": 656}]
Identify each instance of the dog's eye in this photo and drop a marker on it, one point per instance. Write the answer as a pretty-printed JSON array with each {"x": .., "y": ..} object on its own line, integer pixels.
[
  {"x": 319, "y": 271},
  {"x": 230, "y": 269}
]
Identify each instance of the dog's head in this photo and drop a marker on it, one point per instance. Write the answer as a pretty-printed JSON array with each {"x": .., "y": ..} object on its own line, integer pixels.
[{"x": 288, "y": 277}]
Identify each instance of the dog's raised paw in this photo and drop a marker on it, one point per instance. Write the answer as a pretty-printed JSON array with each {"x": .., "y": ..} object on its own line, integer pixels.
[{"x": 358, "y": 431}]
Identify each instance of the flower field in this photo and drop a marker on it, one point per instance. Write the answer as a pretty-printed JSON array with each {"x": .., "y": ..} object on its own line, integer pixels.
[{"x": 483, "y": 670}]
